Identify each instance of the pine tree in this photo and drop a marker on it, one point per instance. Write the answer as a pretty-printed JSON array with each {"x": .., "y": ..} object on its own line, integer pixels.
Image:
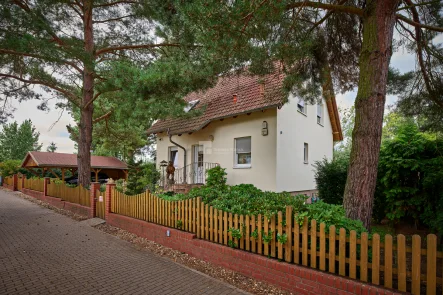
[
  {"x": 52, "y": 147},
  {"x": 67, "y": 48},
  {"x": 322, "y": 45}
]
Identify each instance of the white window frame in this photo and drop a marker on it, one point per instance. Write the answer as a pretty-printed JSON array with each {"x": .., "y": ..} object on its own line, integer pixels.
[
  {"x": 236, "y": 165},
  {"x": 320, "y": 119},
  {"x": 304, "y": 105},
  {"x": 306, "y": 153}
]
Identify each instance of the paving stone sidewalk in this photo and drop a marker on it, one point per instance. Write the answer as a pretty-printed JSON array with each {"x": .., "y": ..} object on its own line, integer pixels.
[{"x": 42, "y": 252}]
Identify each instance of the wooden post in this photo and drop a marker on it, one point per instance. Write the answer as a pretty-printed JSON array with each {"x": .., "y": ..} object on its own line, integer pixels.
[
  {"x": 45, "y": 186},
  {"x": 109, "y": 188},
  {"x": 63, "y": 174},
  {"x": 95, "y": 186},
  {"x": 14, "y": 182}
]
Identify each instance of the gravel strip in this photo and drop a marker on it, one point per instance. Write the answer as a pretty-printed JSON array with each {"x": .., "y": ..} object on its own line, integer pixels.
[{"x": 240, "y": 281}]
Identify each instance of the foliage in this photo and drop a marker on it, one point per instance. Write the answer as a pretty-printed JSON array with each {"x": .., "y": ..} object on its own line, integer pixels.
[
  {"x": 236, "y": 233},
  {"x": 52, "y": 147},
  {"x": 9, "y": 167},
  {"x": 267, "y": 237},
  {"x": 410, "y": 170},
  {"x": 330, "y": 215},
  {"x": 217, "y": 178},
  {"x": 282, "y": 238},
  {"x": 330, "y": 176},
  {"x": 17, "y": 140},
  {"x": 142, "y": 176}
]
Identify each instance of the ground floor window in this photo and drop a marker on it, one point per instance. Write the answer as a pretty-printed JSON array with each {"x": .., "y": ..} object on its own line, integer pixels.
[
  {"x": 242, "y": 152},
  {"x": 305, "y": 153}
]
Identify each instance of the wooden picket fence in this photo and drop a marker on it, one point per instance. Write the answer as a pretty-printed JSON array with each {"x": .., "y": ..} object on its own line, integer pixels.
[
  {"x": 77, "y": 195},
  {"x": 392, "y": 262},
  {"x": 36, "y": 184},
  {"x": 8, "y": 180},
  {"x": 100, "y": 206},
  {"x": 20, "y": 182}
]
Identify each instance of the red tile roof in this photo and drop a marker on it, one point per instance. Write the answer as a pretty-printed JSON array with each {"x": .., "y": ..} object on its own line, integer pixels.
[
  {"x": 218, "y": 102},
  {"x": 46, "y": 159},
  {"x": 253, "y": 94}
]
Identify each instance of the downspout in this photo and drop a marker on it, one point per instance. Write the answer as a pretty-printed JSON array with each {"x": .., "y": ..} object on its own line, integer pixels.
[{"x": 184, "y": 153}]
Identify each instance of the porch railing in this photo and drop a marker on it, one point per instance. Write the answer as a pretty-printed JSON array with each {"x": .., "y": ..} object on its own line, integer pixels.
[{"x": 194, "y": 173}]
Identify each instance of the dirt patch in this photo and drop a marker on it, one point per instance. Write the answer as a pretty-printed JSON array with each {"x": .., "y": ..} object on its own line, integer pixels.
[{"x": 219, "y": 273}]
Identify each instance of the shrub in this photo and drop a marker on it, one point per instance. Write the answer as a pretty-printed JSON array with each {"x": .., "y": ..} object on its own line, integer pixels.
[
  {"x": 331, "y": 177},
  {"x": 9, "y": 167},
  {"x": 217, "y": 178}
]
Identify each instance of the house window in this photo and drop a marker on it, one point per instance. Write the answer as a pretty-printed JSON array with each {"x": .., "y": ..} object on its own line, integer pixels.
[
  {"x": 301, "y": 106},
  {"x": 320, "y": 114},
  {"x": 243, "y": 152},
  {"x": 191, "y": 105},
  {"x": 173, "y": 155},
  {"x": 305, "y": 153}
]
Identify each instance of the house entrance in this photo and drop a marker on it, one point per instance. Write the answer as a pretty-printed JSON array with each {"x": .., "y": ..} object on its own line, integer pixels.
[{"x": 198, "y": 173}]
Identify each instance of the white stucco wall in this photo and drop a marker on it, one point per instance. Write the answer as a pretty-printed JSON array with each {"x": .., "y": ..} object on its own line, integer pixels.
[
  {"x": 221, "y": 150},
  {"x": 293, "y": 130}
]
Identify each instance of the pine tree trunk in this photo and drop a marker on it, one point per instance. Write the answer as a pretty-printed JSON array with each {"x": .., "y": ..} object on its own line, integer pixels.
[
  {"x": 85, "y": 128},
  {"x": 378, "y": 25}
]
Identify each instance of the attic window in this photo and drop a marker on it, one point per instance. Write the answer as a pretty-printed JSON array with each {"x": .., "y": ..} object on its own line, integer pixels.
[{"x": 191, "y": 105}]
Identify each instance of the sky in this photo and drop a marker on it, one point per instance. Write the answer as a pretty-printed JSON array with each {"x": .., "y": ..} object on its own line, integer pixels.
[{"x": 43, "y": 121}]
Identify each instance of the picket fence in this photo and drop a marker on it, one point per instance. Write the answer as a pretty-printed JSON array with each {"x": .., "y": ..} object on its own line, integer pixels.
[
  {"x": 36, "y": 184},
  {"x": 78, "y": 194},
  {"x": 392, "y": 262},
  {"x": 8, "y": 180}
]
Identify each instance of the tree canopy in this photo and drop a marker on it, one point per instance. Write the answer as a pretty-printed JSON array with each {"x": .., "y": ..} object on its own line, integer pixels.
[{"x": 17, "y": 140}]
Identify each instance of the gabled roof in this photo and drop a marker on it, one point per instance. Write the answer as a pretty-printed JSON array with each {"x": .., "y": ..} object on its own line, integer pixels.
[
  {"x": 236, "y": 95},
  {"x": 47, "y": 159}
]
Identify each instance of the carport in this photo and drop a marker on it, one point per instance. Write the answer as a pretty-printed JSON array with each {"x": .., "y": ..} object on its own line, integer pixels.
[{"x": 47, "y": 161}]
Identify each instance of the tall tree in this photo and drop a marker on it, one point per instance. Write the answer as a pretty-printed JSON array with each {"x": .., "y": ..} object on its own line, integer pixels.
[
  {"x": 351, "y": 41},
  {"x": 17, "y": 140},
  {"x": 66, "y": 47}
]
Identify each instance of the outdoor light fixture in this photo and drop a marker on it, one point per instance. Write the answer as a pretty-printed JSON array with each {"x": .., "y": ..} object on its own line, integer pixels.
[
  {"x": 264, "y": 128},
  {"x": 168, "y": 233}
]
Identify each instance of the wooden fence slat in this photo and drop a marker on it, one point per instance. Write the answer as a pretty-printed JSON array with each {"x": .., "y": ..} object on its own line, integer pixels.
[
  {"x": 431, "y": 262},
  {"x": 288, "y": 230},
  {"x": 253, "y": 240},
  {"x": 225, "y": 228},
  {"x": 211, "y": 224},
  {"x": 236, "y": 241},
  {"x": 388, "y": 262},
  {"x": 220, "y": 226},
  {"x": 207, "y": 222},
  {"x": 273, "y": 234},
  {"x": 305, "y": 242},
  {"x": 229, "y": 226},
  {"x": 364, "y": 257},
  {"x": 216, "y": 226},
  {"x": 280, "y": 232},
  {"x": 296, "y": 249},
  {"x": 313, "y": 253},
  {"x": 247, "y": 233},
  {"x": 322, "y": 258},
  {"x": 266, "y": 234},
  {"x": 342, "y": 252},
  {"x": 242, "y": 230},
  {"x": 401, "y": 257},
  {"x": 199, "y": 219},
  {"x": 376, "y": 259},
  {"x": 331, "y": 256},
  {"x": 260, "y": 237},
  {"x": 204, "y": 225},
  {"x": 353, "y": 254},
  {"x": 416, "y": 264}
]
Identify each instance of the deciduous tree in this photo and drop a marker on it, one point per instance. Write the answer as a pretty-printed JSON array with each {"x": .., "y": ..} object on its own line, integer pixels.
[{"x": 17, "y": 140}]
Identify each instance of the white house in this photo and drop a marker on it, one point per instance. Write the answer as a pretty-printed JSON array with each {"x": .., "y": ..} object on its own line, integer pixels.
[{"x": 245, "y": 127}]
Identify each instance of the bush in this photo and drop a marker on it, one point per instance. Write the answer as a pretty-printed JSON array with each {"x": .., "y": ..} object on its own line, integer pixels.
[
  {"x": 10, "y": 167},
  {"x": 331, "y": 178}
]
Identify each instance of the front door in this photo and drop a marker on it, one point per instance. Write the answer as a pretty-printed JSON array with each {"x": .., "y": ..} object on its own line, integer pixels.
[{"x": 197, "y": 163}]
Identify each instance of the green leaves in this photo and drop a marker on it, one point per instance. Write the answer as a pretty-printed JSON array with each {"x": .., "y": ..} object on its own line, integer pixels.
[{"x": 16, "y": 140}]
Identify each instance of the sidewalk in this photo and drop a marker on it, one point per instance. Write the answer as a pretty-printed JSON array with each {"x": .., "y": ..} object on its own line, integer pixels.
[{"x": 42, "y": 252}]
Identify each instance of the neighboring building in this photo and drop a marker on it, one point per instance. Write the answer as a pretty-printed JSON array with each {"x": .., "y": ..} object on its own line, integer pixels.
[{"x": 245, "y": 128}]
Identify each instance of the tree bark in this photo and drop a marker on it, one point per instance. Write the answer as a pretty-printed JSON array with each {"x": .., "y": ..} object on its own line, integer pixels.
[
  {"x": 85, "y": 128},
  {"x": 378, "y": 26}
]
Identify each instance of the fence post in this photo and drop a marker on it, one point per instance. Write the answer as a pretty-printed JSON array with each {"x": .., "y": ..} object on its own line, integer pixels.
[
  {"x": 14, "y": 182},
  {"x": 109, "y": 188},
  {"x": 45, "y": 186},
  {"x": 92, "y": 198},
  {"x": 23, "y": 182}
]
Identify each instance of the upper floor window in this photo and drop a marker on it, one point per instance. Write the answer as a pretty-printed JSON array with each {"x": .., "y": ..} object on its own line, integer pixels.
[
  {"x": 242, "y": 152},
  {"x": 191, "y": 105},
  {"x": 320, "y": 114},
  {"x": 301, "y": 106}
]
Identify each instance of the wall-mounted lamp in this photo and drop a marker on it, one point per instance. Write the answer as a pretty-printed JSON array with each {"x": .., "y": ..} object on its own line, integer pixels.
[
  {"x": 264, "y": 128},
  {"x": 211, "y": 137}
]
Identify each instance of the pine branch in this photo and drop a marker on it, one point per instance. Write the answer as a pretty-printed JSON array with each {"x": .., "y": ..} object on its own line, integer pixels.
[
  {"x": 418, "y": 24},
  {"x": 116, "y": 3},
  {"x": 7, "y": 51},
  {"x": 112, "y": 19},
  {"x": 326, "y": 6},
  {"x": 418, "y": 4},
  {"x": 73, "y": 98},
  {"x": 142, "y": 46},
  {"x": 101, "y": 118}
]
